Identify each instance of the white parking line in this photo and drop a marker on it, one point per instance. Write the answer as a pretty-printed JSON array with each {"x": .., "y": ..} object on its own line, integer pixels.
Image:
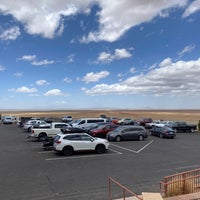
[
  {"x": 145, "y": 146},
  {"x": 133, "y": 150},
  {"x": 87, "y": 156}
]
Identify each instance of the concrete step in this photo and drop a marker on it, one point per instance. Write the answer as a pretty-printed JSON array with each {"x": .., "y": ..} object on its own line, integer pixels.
[{"x": 151, "y": 196}]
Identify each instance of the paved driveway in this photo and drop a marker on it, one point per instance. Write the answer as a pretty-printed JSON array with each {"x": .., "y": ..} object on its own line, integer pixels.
[{"x": 28, "y": 172}]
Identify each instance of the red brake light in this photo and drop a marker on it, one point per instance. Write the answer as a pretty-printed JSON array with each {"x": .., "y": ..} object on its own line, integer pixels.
[
  {"x": 58, "y": 142},
  {"x": 32, "y": 131}
]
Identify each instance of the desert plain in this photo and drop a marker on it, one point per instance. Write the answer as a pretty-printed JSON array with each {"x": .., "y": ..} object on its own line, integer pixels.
[{"x": 188, "y": 115}]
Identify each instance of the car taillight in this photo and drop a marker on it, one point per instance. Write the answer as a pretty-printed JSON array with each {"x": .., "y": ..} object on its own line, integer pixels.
[
  {"x": 32, "y": 131},
  {"x": 58, "y": 142}
]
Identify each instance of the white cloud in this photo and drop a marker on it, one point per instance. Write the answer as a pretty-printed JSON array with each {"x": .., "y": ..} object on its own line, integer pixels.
[
  {"x": 118, "y": 54},
  {"x": 132, "y": 13},
  {"x": 67, "y": 80},
  {"x": 132, "y": 70},
  {"x": 41, "y": 82},
  {"x": 192, "y": 8},
  {"x": 10, "y": 34},
  {"x": 43, "y": 17},
  {"x": 94, "y": 77},
  {"x": 186, "y": 49},
  {"x": 54, "y": 92},
  {"x": 18, "y": 74},
  {"x": 115, "y": 17},
  {"x": 42, "y": 62},
  {"x": 70, "y": 58},
  {"x": 171, "y": 78},
  {"x": 23, "y": 89},
  {"x": 27, "y": 57},
  {"x": 2, "y": 68}
]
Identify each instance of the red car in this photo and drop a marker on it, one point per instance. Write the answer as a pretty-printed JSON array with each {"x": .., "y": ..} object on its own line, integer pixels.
[{"x": 102, "y": 130}]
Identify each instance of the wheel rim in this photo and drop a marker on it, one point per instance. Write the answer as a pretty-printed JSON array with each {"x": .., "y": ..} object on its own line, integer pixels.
[
  {"x": 141, "y": 138},
  {"x": 161, "y": 136},
  {"x": 118, "y": 138},
  {"x": 100, "y": 149},
  {"x": 67, "y": 151}
]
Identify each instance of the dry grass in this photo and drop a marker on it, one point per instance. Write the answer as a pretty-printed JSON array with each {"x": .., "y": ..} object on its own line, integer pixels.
[{"x": 191, "y": 116}]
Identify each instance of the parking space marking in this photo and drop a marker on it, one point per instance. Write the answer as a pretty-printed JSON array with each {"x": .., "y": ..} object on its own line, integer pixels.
[
  {"x": 126, "y": 149},
  {"x": 86, "y": 156},
  {"x": 145, "y": 146}
]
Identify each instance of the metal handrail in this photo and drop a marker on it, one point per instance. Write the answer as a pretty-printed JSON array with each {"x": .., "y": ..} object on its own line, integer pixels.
[{"x": 124, "y": 189}]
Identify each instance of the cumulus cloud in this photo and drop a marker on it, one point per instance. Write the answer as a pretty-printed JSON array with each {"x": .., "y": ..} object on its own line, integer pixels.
[
  {"x": 10, "y": 34},
  {"x": 24, "y": 89},
  {"x": 46, "y": 17},
  {"x": 118, "y": 54},
  {"x": 41, "y": 82},
  {"x": 171, "y": 78},
  {"x": 94, "y": 77},
  {"x": 132, "y": 13},
  {"x": 54, "y": 92}
]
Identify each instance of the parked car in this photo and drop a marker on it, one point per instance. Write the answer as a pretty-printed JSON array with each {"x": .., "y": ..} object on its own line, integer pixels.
[
  {"x": 143, "y": 121},
  {"x": 7, "y": 120},
  {"x": 69, "y": 143},
  {"x": 42, "y": 124},
  {"x": 28, "y": 125},
  {"x": 180, "y": 126},
  {"x": 127, "y": 133},
  {"x": 48, "y": 120},
  {"x": 163, "y": 132},
  {"x": 44, "y": 133},
  {"x": 102, "y": 130},
  {"x": 126, "y": 121},
  {"x": 67, "y": 118},
  {"x": 80, "y": 122},
  {"x": 88, "y": 127},
  {"x": 154, "y": 123}
]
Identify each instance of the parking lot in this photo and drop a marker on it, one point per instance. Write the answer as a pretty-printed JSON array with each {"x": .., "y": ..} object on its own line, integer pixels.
[{"x": 29, "y": 172}]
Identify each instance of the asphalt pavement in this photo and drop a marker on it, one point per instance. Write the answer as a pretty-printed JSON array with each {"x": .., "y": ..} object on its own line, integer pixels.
[{"x": 29, "y": 172}]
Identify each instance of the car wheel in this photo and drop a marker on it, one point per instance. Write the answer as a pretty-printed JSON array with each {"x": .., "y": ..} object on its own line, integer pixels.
[
  {"x": 68, "y": 151},
  {"x": 161, "y": 135},
  {"x": 140, "y": 137},
  {"x": 42, "y": 137},
  {"x": 192, "y": 130},
  {"x": 175, "y": 130},
  {"x": 118, "y": 138},
  {"x": 100, "y": 148}
]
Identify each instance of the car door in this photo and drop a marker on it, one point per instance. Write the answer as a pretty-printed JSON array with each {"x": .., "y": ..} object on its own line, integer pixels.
[
  {"x": 129, "y": 134},
  {"x": 87, "y": 142}
]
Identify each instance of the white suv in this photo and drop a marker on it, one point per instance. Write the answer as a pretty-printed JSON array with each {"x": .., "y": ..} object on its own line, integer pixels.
[{"x": 68, "y": 143}]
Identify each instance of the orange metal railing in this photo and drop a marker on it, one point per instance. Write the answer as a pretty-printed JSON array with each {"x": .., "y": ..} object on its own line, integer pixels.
[
  {"x": 124, "y": 189},
  {"x": 181, "y": 183}
]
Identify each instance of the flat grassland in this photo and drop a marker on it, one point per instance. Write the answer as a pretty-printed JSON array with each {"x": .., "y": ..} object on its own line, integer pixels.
[{"x": 190, "y": 116}]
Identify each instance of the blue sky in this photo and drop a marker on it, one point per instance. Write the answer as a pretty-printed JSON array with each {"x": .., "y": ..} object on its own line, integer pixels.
[{"x": 100, "y": 54}]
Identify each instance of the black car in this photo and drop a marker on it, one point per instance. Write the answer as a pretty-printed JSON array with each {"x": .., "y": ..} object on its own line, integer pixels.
[{"x": 163, "y": 132}]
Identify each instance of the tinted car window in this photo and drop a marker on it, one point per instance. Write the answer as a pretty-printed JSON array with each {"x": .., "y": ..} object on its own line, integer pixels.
[{"x": 72, "y": 137}]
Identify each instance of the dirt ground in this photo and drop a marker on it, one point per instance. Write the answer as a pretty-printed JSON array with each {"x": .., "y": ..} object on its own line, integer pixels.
[{"x": 190, "y": 116}]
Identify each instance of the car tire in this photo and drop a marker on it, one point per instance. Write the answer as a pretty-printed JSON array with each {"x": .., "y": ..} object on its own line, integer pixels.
[
  {"x": 118, "y": 138},
  {"x": 175, "y": 130},
  {"x": 100, "y": 148},
  {"x": 42, "y": 137},
  {"x": 140, "y": 137},
  {"x": 161, "y": 135},
  {"x": 192, "y": 130},
  {"x": 67, "y": 151}
]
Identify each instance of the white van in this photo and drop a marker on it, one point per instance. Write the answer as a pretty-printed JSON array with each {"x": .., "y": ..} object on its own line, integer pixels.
[{"x": 82, "y": 121}]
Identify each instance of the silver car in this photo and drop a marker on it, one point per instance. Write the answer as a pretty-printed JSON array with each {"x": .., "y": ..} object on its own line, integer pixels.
[{"x": 127, "y": 133}]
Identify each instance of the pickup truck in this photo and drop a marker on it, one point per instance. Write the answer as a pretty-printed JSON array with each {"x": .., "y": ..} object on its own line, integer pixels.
[
  {"x": 44, "y": 133},
  {"x": 183, "y": 127}
]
